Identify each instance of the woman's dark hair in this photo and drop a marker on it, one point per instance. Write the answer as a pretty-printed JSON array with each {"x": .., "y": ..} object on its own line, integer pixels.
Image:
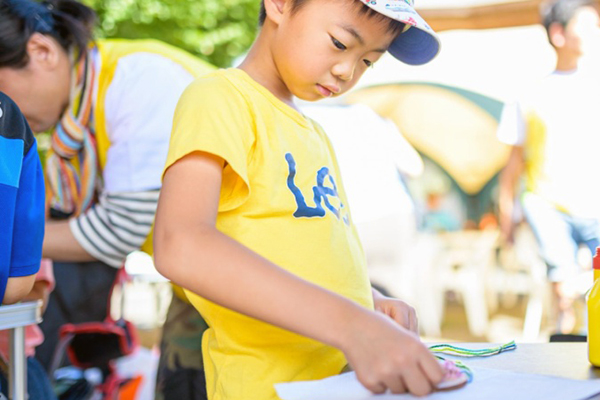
[
  {"x": 68, "y": 21},
  {"x": 394, "y": 26}
]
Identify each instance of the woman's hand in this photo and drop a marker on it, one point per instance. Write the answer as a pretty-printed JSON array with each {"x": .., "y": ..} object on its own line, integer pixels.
[{"x": 397, "y": 310}]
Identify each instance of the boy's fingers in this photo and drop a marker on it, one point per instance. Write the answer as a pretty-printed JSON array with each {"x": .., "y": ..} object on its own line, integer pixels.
[
  {"x": 375, "y": 387},
  {"x": 432, "y": 369},
  {"x": 417, "y": 382},
  {"x": 414, "y": 324},
  {"x": 406, "y": 320},
  {"x": 396, "y": 385}
]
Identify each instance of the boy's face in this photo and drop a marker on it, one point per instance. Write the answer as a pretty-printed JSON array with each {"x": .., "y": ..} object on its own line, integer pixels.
[
  {"x": 323, "y": 48},
  {"x": 582, "y": 33}
]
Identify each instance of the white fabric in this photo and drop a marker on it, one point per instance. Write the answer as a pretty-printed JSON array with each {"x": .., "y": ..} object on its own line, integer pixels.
[
  {"x": 140, "y": 103},
  {"x": 511, "y": 129},
  {"x": 569, "y": 106},
  {"x": 371, "y": 152}
]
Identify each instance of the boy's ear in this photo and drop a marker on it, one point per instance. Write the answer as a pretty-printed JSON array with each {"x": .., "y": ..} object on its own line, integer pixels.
[
  {"x": 556, "y": 33},
  {"x": 43, "y": 50},
  {"x": 275, "y": 9}
]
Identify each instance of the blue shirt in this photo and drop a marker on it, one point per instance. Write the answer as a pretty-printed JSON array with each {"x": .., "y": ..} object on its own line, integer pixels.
[{"x": 22, "y": 196}]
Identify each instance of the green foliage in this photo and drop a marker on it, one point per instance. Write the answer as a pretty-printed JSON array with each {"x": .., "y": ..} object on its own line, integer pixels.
[{"x": 216, "y": 30}]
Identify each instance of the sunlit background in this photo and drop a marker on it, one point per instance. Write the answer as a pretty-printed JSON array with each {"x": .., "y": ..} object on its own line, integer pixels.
[{"x": 438, "y": 247}]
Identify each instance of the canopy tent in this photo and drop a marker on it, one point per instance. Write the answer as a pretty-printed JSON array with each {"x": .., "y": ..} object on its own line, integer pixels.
[
  {"x": 449, "y": 109},
  {"x": 444, "y": 15},
  {"x": 456, "y": 128}
]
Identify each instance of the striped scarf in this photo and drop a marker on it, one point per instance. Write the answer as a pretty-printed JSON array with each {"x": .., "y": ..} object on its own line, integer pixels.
[{"x": 72, "y": 162}]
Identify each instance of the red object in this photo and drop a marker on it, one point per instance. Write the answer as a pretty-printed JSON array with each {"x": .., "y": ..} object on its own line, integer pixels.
[
  {"x": 99, "y": 344},
  {"x": 596, "y": 259},
  {"x": 96, "y": 344},
  {"x": 117, "y": 388}
]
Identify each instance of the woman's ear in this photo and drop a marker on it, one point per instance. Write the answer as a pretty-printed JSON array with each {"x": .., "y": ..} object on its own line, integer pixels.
[
  {"x": 43, "y": 50},
  {"x": 275, "y": 9},
  {"x": 556, "y": 33}
]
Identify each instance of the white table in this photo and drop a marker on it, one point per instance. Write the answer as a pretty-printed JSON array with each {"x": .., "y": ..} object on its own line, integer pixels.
[{"x": 565, "y": 360}]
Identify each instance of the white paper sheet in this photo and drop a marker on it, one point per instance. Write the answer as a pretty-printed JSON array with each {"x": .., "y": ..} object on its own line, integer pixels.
[{"x": 488, "y": 384}]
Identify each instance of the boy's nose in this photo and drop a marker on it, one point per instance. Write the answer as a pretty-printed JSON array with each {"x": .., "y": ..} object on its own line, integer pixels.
[{"x": 344, "y": 71}]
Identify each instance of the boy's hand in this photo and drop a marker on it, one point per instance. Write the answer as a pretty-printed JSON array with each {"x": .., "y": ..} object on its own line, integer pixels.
[
  {"x": 397, "y": 310},
  {"x": 387, "y": 356}
]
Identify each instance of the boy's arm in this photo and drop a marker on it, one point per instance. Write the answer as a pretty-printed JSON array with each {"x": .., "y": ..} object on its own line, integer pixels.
[
  {"x": 44, "y": 284},
  {"x": 17, "y": 288},
  {"x": 191, "y": 252},
  {"x": 509, "y": 179},
  {"x": 512, "y": 130}
]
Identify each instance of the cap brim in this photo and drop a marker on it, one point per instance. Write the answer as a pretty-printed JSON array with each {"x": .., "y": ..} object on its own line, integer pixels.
[{"x": 415, "y": 46}]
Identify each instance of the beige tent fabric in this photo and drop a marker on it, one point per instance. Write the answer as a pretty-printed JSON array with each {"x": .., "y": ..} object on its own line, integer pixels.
[{"x": 448, "y": 128}]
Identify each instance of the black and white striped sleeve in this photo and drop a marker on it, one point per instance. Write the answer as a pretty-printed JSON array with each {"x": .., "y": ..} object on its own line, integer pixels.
[{"x": 117, "y": 225}]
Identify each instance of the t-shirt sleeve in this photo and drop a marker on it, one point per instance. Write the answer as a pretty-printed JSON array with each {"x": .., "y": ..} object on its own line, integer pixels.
[
  {"x": 512, "y": 126},
  {"x": 212, "y": 116},
  {"x": 28, "y": 231}
]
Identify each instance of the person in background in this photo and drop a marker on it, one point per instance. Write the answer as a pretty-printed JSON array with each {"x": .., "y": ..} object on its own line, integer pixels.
[
  {"x": 21, "y": 220},
  {"x": 38, "y": 383},
  {"x": 21, "y": 202},
  {"x": 109, "y": 107},
  {"x": 554, "y": 134}
]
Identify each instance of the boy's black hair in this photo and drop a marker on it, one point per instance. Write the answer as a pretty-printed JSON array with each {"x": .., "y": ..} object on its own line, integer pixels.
[
  {"x": 68, "y": 21},
  {"x": 562, "y": 11},
  {"x": 394, "y": 26}
]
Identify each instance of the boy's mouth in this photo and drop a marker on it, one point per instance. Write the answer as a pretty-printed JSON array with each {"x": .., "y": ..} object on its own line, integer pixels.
[{"x": 327, "y": 91}]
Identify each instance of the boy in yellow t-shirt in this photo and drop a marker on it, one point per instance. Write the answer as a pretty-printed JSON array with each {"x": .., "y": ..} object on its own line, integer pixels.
[{"x": 253, "y": 220}]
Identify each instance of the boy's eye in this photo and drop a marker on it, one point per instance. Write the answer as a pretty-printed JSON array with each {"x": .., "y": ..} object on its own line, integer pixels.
[
  {"x": 338, "y": 44},
  {"x": 368, "y": 63}
]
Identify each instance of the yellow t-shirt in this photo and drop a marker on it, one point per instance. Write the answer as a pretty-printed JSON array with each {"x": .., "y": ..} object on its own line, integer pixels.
[{"x": 282, "y": 197}]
